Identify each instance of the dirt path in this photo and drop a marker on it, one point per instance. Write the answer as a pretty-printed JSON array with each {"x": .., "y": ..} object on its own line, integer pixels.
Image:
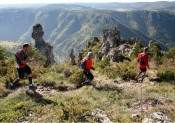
[{"x": 99, "y": 80}]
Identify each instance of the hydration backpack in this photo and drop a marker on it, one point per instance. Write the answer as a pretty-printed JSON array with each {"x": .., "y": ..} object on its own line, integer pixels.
[
  {"x": 142, "y": 61},
  {"x": 17, "y": 55},
  {"x": 83, "y": 64}
]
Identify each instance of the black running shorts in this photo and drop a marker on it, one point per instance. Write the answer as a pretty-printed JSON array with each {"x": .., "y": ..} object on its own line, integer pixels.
[
  {"x": 143, "y": 70},
  {"x": 23, "y": 71}
]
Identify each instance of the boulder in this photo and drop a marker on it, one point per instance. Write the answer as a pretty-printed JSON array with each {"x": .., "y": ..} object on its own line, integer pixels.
[
  {"x": 135, "y": 116},
  {"x": 147, "y": 120},
  {"x": 161, "y": 117},
  {"x": 67, "y": 73},
  {"x": 103, "y": 118},
  {"x": 45, "y": 48}
]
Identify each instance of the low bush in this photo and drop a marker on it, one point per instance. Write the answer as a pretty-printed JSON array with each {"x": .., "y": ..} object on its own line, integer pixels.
[
  {"x": 166, "y": 71},
  {"x": 77, "y": 77},
  {"x": 125, "y": 70},
  {"x": 75, "y": 109}
]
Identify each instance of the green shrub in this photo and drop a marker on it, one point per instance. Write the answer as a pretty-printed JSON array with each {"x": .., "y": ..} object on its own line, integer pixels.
[
  {"x": 103, "y": 65},
  {"x": 2, "y": 54},
  {"x": 77, "y": 77},
  {"x": 166, "y": 71},
  {"x": 38, "y": 57},
  {"x": 170, "y": 54},
  {"x": 75, "y": 109},
  {"x": 125, "y": 70},
  {"x": 138, "y": 48}
]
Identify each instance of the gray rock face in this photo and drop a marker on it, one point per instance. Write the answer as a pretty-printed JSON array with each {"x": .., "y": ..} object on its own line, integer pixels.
[
  {"x": 151, "y": 42},
  {"x": 105, "y": 47},
  {"x": 116, "y": 55},
  {"x": 99, "y": 56},
  {"x": 112, "y": 36},
  {"x": 80, "y": 57},
  {"x": 123, "y": 47},
  {"x": 72, "y": 57},
  {"x": 43, "y": 46},
  {"x": 111, "y": 39},
  {"x": 133, "y": 40}
]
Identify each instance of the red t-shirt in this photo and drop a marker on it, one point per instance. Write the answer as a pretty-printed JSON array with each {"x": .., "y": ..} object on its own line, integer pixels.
[
  {"x": 20, "y": 57},
  {"x": 145, "y": 57},
  {"x": 88, "y": 63}
]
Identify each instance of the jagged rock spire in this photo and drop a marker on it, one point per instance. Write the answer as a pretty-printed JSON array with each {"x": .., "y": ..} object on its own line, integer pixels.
[{"x": 43, "y": 46}]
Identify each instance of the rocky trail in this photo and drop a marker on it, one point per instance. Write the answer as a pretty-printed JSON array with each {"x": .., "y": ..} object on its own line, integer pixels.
[
  {"x": 100, "y": 81},
  {"x": 141, "y": 107}
]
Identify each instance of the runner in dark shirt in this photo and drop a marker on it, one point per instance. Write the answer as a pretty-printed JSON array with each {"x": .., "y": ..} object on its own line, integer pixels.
[{"x": 22, "y": 67}]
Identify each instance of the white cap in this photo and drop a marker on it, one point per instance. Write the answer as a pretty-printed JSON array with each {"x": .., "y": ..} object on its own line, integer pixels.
[{"x": 90, "y": 54}]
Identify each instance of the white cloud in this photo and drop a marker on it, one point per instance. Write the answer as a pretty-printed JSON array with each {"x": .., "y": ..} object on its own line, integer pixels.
[{"x": 69, "y": 1}]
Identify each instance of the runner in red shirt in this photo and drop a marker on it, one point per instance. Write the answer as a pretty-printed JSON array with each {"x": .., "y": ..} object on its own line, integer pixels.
[
  {"x": 88, "y": 67},
  {"x": 143, "y": 61}
]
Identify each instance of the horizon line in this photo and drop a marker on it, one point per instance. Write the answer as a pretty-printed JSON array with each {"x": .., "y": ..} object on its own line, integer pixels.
[{"x": 83, "y": 2}]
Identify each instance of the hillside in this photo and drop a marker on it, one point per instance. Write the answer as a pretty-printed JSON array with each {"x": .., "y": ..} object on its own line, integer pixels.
[
  {"x": 113, "y": 96},
  {"x": 71, "y": 26},
  {"x": 156, "y": 6}
]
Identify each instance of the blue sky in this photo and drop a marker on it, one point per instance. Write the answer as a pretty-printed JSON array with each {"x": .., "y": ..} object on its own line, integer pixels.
[{"x": 70, "y": 1}]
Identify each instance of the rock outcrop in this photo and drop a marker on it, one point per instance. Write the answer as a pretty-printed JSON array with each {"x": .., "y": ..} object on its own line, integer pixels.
[
  {"x": 133, "y": 40},
  {"x": 114, "y": 55},
  {"x": 112, "y": 36},
  {"x": 151, "y": 42},
  {"x": 96, "y": 39},
  {"x": 45, "y": 48},
  {"x": 72, "y": 57},
  {"x": 105, "y": 47},
  {"x": 111, "y": 40},
  {"x": 80, "y": 57},
  {"x": 158, "y": 117},
  {"x": 124, "y": 48},
  {"x": 103, "y": 118},
  {"x": 99, "y": 56},
  {"x": 89, "y": 44}
]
